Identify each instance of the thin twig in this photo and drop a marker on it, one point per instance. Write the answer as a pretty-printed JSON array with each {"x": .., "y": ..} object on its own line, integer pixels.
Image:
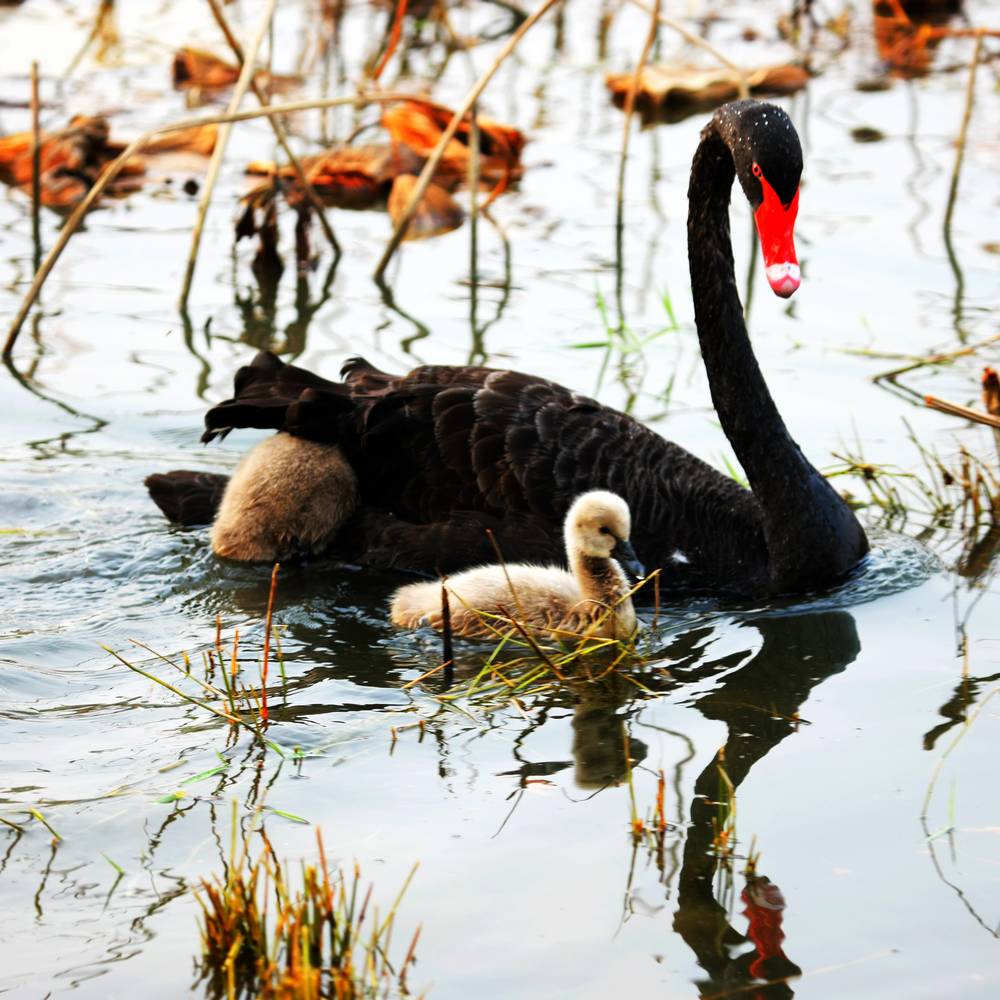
[
  {"x": 448, "y": 652},
  {"x": 204, "y": 685},
  {"x": 390, "y": 48},
  {"x": 177, "y": 691},
  {"x": 36, "y": 167},
  {"x": 537, "y": 650},
  {"x": 219, "y": 152},
  {"x": 41, "y": 819},
  {"x": 102, "y": 13},
  {"x": 279, "y": 130},
  {"x": 423, "y": 677},
  {"x": 963, "y": 133},
  {"x": 116, "y": 166},
  {"x": 473, "y": 176},
  {"x": 267, "y": 641},
  {"x": 930, "y": 359},
  {"x": 688, "y": 35},
  {"x": 423, "y": 181},
  {"x": 928, "y": 795},
  {"x": 633, "y": 89},
  {"x": 957, "y": 410},
  {"x": 503, "y": 566}
]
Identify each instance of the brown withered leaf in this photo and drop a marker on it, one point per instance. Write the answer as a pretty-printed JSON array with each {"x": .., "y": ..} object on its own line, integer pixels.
[
  {"x": 671, "y": 93},
  {"x": 355, "y": 177},
  {"x": 383, "y": 175},
  {"x": 73, "y": 158},
  {"x": 907, "y": 33},
  {"x": 991, "y": 391},
  {"x": 420, "y": 126},
  {"x": 199, "y": 139},
  {"x": 70, "y": 161},
  {"x": 197, "y": 69},
  {"x": 437, "y": 212}
]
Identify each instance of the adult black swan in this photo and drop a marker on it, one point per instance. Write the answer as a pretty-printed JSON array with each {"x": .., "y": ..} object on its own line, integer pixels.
[{"x": 445, "y": 452}]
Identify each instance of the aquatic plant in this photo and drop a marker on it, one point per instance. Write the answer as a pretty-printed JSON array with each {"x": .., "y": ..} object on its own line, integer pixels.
[
  {"x": 268, "y": 936},
  {"x": 239, "y": 702}
]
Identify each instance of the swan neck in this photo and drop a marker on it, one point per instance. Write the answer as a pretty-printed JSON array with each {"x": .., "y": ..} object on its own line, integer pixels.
[
  {"x": 742, "y": 400},
  {"x": 603, "y": 581},
  {"x": 810, "y": 531}
]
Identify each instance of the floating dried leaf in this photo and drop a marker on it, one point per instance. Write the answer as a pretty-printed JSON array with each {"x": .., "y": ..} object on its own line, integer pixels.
[
  {"x": 72, "y": 159},
  {"x": 420, "y": 126},
  {"x": 355, "y": 177},
  {"x": 907, "y": 32},
  {"x": 865, "y": 133},
  {"x": 670, "y": 93},
  {"x": 437, "y": 212},
  {"x": 199, "y": 139},
  {"x": 69, "y": 161},
  {"x": 197, "y": 69},
  {"x": 383, "y": 175},
  {"x": 991, "y": 391}
]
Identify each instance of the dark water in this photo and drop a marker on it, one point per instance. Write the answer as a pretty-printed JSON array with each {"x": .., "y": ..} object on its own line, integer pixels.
[{"x": 833, "y": 713}]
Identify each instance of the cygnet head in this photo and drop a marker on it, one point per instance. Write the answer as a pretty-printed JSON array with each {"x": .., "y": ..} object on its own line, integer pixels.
[{"x": 598, "y": 525}]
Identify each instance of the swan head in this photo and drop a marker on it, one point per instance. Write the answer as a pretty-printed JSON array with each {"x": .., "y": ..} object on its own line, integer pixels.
[
  {"x": 598, "y": 525},
  {"x": 768, "y": 159}
]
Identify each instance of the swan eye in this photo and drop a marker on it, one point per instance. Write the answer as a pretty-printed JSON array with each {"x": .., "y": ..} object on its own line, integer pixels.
[
  {"x": 604, "y": 530},
  {"x": 757, "y": 172}
]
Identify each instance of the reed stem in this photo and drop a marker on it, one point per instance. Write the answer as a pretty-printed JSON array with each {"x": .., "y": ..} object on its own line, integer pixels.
[
  {"x": 423, "y": 181},
  {"x": 219, "y": 153},
  {"x": 633, "y": 89},
  {"x": 279, "y": 130},
  {"x": 115, "y": 167},
  {"x": 36, "y": 168},
  {"x": 688, "y": 35},
  {"x": 267, "y": 642}
]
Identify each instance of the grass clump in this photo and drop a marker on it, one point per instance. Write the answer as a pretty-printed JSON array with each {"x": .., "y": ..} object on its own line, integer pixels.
[
  {"x": 224, "y": 689},
  {"x": 264, "y": 937}
]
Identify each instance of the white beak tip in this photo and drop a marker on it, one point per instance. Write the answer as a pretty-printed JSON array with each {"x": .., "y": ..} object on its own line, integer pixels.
[{"x": 783, "y": 278}]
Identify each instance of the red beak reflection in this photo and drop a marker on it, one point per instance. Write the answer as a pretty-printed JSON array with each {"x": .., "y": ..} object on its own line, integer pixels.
[{"x": 776, "y": 227}]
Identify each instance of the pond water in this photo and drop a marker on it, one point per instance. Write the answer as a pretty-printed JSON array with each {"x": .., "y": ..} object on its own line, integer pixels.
[{"x": 832, "y": 713}]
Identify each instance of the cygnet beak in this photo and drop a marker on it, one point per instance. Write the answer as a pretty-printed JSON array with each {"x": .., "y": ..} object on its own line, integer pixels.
[{"x": 625, "y": 555}]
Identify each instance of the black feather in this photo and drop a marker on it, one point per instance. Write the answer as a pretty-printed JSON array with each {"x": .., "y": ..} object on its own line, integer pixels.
[{"x": 187, "y": 497}]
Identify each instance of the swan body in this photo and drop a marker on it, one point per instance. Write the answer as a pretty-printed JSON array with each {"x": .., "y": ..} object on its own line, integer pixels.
[
  {"x": 593, "y": 598},
  {"x": 444, "y": 453},
  {"x": 287, "y": 497}
]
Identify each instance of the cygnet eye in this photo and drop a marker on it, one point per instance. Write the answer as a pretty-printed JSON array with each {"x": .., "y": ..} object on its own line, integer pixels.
[{"x": 605, "y": 530}]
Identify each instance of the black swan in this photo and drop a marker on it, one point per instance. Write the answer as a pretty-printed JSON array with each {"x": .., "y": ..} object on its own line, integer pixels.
[
  {"x": 445, "y": 452},
  {"x": 593, "y": 598}
]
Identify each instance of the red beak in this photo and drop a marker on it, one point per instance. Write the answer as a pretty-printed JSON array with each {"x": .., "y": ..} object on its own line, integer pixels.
[{"x": 776, "y": 227}]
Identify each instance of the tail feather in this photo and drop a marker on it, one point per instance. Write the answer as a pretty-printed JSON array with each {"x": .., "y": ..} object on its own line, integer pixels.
[
  {"x": 264, "y": 392},
  {"x": 356, "y": 368}
]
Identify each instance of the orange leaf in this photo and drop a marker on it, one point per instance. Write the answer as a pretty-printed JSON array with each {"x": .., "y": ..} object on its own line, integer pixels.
[
  {"x": 670, "y": 93},
  {"x": 199, "y": 139},
  {"x": 420, "y": 126},
  {"x": 437, "y": 212},
  {"x": 72, "y": 159},
  {"x": 197, "y": 69}
]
